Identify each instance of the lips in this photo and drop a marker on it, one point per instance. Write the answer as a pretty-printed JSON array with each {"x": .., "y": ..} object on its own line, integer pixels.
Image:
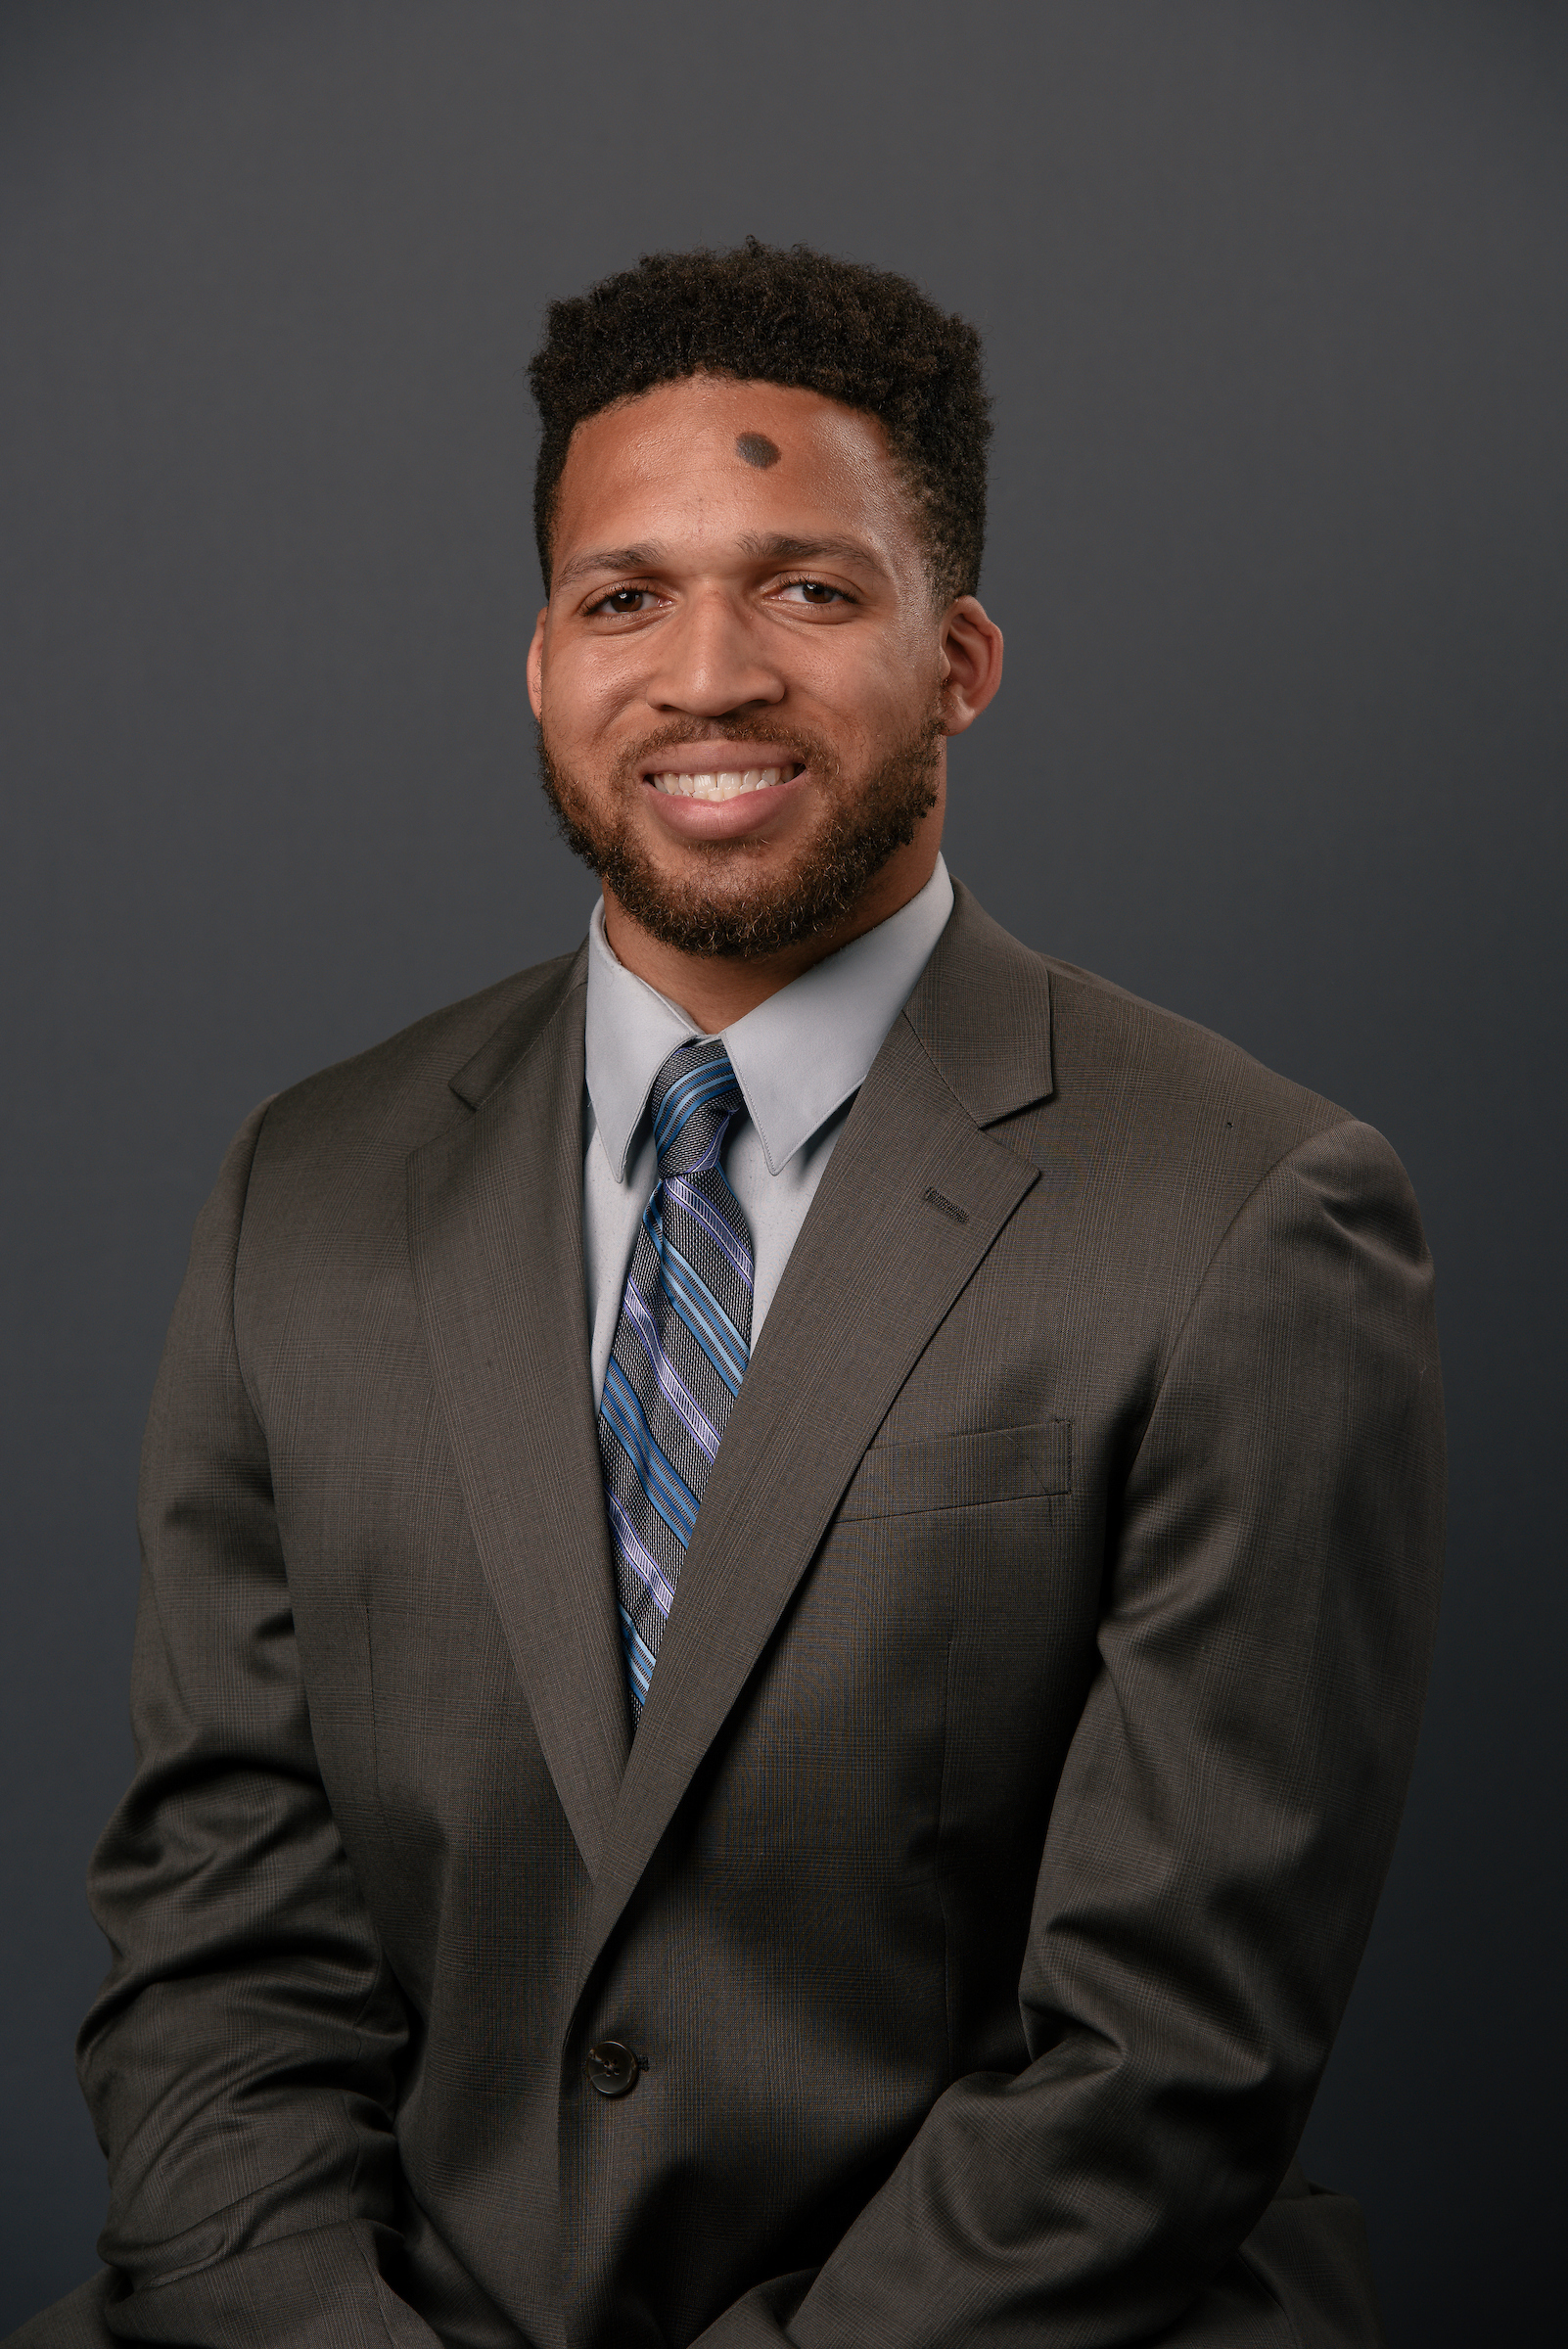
[{"x": 722, "y": 783}]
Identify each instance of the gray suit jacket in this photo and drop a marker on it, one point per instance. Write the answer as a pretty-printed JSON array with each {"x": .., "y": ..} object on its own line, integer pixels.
[{"x": 987, "y": 1876}]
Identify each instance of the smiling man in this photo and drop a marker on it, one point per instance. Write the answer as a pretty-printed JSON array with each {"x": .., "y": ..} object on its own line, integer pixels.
[{"x": 789, "y": 1563}]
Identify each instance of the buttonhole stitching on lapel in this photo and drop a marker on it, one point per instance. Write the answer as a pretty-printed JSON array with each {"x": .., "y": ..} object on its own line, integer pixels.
[{"x": 945, "y": 1206}]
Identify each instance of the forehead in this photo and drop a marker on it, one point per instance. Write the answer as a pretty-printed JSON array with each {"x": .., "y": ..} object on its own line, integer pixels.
[{"x": 693, "y": 462}]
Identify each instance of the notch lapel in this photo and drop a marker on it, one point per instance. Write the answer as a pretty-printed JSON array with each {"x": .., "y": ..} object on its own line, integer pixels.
[
  {"x": 495, "y": 1223},
  {"x": 911, "y": 1200}
]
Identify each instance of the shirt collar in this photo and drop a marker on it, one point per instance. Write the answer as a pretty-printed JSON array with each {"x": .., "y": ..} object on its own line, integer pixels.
[{"x": 797, "y": 1058}]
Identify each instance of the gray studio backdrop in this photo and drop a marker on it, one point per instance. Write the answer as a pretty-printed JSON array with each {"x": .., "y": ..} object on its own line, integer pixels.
[{"x": 1274, "y": 298}]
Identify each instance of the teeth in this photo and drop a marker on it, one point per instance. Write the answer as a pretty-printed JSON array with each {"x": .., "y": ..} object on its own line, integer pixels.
[{"x": 727, "y": 784}]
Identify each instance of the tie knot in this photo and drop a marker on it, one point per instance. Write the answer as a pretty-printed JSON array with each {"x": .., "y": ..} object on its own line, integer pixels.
[{"x": 694, "y": 1098}]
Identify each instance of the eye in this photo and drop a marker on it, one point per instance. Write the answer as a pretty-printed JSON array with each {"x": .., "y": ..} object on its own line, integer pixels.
[
  {"x": 816, "y": 592},
  {"x": 623, "y": 603}
]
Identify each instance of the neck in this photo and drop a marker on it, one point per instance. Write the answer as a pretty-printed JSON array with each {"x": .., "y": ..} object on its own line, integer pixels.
[{"x": 715, "y": 991}]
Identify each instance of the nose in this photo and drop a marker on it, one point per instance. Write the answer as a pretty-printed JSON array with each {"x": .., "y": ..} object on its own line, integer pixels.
[{"x": 712, "y": 662}]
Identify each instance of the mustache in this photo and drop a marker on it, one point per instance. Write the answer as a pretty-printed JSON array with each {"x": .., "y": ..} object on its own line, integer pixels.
[{"x": 807, "y": 748}]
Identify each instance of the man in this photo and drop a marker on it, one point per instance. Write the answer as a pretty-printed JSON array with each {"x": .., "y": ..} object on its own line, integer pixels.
[{"x": 833, "y": 1792}]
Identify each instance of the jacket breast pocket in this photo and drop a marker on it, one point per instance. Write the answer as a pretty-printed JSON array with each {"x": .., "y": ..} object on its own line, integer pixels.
[{"x": 988, "y": 1465}]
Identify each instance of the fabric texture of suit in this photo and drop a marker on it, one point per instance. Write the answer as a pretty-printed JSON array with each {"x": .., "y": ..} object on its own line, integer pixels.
[{"x": 985, "y": 1883}]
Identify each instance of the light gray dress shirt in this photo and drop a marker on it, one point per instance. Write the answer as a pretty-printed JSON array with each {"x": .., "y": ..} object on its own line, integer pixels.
[{"x": 800, "y": 1059}]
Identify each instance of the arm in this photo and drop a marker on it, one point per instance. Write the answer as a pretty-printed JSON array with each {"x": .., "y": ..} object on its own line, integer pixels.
[
  {"x": 1223, "y": 1820},
  {"x": 240, "y": 2058}
]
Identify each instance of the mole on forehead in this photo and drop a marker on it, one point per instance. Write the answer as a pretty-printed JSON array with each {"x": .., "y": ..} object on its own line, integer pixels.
[{"x": 755, "y": 448}]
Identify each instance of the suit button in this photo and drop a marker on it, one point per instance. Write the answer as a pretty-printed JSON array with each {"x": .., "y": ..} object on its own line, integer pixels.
[{"x": 612, "y": 2068}]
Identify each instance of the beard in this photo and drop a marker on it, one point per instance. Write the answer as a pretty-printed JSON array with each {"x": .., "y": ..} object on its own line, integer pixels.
[{"x": 731, "y": 905}]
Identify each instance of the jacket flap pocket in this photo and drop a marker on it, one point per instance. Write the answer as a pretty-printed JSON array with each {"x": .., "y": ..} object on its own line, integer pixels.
[{"x": 962, "y": 1472}]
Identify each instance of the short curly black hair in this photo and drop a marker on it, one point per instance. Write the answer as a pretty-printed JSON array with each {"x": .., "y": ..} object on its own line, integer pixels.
[{"x": 866, "y": 336}]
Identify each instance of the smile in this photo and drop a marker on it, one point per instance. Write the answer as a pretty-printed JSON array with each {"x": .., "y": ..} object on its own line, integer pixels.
[{"x": 728, "y": 783}]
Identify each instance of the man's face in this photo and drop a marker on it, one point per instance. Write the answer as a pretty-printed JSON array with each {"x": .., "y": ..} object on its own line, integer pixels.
[{"x": 740, "y": 675}]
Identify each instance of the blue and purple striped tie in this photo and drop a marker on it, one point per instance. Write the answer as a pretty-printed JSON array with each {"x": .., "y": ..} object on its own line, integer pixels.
[{"x": 680, "y": 1349}]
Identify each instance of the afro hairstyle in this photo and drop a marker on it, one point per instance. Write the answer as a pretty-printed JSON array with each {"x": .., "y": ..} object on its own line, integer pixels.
[{"x": 866, "y": 336}]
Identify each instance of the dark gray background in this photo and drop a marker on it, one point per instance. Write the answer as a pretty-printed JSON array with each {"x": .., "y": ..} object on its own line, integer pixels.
[{"x": 1274, "y": 297}]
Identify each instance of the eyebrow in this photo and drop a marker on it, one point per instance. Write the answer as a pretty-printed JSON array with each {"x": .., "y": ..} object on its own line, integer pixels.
[
  {"x": 610, "y": 558},
  {"x": 770, "y": 547},
  {"x": 776, "y": 548}
]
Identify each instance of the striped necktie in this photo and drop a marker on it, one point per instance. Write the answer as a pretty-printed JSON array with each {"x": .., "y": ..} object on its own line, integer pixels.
[{"x": 681, "y": 1349}]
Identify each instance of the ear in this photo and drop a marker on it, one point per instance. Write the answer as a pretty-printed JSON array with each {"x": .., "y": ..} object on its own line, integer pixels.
[
  {"x": 971, "y": 662},
  {"x": 537, "y": 663}
]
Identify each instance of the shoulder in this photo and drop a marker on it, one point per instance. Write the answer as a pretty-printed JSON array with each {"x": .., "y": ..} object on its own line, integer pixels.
[
  {"x": 1012, "y": 1028},
  {"x": 1137, "y": 1117},
  {"x": 386, "y": 1102},
  {"x": 1205, "y": 1122},
  {"x": 1115, "y": 1054}
]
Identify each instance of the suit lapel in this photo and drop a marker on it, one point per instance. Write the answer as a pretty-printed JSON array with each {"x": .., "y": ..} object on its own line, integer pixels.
[
  {"x": 911, "y": 1200},
  {"x": 495, "y": 1217}
]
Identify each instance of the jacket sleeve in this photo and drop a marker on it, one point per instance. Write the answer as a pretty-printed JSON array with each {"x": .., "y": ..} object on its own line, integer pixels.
[
  {"x": 240, "y": 2058},
  {"x": 1223, "y": 1821}
]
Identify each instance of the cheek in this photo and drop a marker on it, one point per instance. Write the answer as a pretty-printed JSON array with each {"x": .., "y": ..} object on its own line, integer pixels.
[
  {"x": 877, "y": 690},
  {"x": 587, "y": 687}
]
